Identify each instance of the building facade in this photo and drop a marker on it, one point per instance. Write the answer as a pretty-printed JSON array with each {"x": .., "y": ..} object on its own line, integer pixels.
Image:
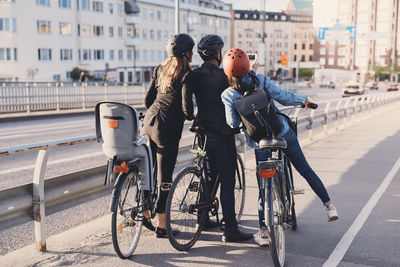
[
  {"x": 288, "y": 33},
  {"x": 375, "y": 48},
  {"x": 43, "y": 40}
]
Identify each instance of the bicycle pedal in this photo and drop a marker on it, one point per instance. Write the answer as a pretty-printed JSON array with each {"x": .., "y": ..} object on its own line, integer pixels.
[{"x": 297, "y": 192}]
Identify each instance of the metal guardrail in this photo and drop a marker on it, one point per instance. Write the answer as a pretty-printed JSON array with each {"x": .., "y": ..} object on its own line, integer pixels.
[
  {"x": 39, "y": 97},
  {"x": 30, "y": 198}
]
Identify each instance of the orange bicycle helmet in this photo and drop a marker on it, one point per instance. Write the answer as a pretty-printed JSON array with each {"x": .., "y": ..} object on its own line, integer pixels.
[{"x": 236, "y": 63}]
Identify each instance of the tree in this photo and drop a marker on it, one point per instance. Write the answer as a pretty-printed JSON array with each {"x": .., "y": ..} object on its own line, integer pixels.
[
  {"x": 76, "y": 74},
  {"x": 306, "y": 73}
]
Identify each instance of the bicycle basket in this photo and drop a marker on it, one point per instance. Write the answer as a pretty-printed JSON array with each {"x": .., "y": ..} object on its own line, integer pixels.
[{"x": 117, "y": 128}]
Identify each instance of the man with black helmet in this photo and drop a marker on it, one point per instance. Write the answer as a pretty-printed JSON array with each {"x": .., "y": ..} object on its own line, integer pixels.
[
  {"x": 207, "y": 83},
  {"x": 163, "y": 122}
]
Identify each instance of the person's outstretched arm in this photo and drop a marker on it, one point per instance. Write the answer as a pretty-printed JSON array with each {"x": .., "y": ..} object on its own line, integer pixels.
[
  {"x": 187, "y": 96},
  {"x": 151, "y": 93}
]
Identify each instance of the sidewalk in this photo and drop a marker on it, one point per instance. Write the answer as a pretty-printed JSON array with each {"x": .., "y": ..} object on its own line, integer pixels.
[{"x": 332, "y": 157}]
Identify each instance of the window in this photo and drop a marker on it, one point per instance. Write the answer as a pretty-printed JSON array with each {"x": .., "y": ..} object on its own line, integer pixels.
[
  {"x": 15, "y": 54},
  {"x": 111, "y": 8},
  {"x": 65, "y": 28},
  {"x": 111, "y": 31},
  {"x": 311, "y": 46},
  {"x": 331, "y": 61},
  {"x": 120, "y": 10},
  {"x": 5, "y": 24},
  {"x": 86, "y": 54},
  {"x": 44, "y": 54},
  {"x": 43, "y": 2},
  {"x": 111, "y": 54},
  {"x": 84, "y": 30},
  {"x": 145, "y": 55},
  {"x": 98, "y": 30},
  {"x": 165, "y": 16},
  {"x": 303, "y": 46},
  {"x": 129, "y": 55},
  {"x": 151, "y": 14},
  {"x": 152, "y": 55},
  {"x": 121, "y": 54},
  {"x": 322, "y": 51},
  {"x": 310, "y": 58},
  {"x": 65, "y": 54},
  {"x": 43, "y": 26},
  {"x": 84, "y": 4},
  {"x": 159, "y": 55},
  {"x": 137, "y": 77},
  {"x": 322, "y": 61},
  {"x": 144, "y": 35},
  {"x": 159, "y": 15},
  {"x": 151, "y": 34},
  {"x": 120, "y": 31},
  {"x": 68, "y": 75},
  {"x": 137, "y": 55},
  {"x": 295, "y": 46},
  {"x": 295, "y": 58},
  {"x": 2, "y": 57},
  {"x": 144, "y": 13},
  {"x": 98, "y": 54},
  {"x": 64, "y": 3},
  {"x": 331, "y": 51},
  {"x": 97, "y": 6},
  {"x": 159, "y": 35},
  {"x": 5, "y": 54},
  {"x": 341, "y": 62}
]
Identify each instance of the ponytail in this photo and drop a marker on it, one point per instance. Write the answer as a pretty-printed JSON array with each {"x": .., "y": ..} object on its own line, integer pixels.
[{"x": 243, "y": 87}]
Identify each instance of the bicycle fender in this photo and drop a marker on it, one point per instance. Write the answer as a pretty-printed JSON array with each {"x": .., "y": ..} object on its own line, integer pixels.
[{"x": 115, "y": 192}]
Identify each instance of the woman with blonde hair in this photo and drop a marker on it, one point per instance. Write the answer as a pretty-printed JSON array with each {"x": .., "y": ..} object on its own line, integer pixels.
[{"x": 163, "y": 122}]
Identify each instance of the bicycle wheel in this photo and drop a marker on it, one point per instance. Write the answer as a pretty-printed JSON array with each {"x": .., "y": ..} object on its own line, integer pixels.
[
  {"x": 240, "y": 188},
  {"x": 183, "y": 210},
  {"x": 289, "y": 189},
  {"x": 127, "y": 219},
  {"x": 276, "y": 229}
]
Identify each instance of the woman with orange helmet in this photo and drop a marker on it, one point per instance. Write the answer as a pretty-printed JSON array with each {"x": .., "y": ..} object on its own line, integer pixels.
[{"x": 242, "y": 79}]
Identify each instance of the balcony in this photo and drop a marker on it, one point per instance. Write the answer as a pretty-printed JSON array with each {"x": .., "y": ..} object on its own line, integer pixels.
[
  {"x": 133, "y": 19},
  {"x": 135, "y": 41}
]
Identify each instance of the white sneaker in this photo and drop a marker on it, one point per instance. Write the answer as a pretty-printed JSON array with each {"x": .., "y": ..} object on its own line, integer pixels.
[
  {"x": 332, "y": 214},
  {"x": 261, "y": 238}
]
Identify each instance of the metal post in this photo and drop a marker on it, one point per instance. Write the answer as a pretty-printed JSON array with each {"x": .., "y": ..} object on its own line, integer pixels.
[
  {"x": 394, "y": 37},
  {"x": 337, "y": 114},
  {"x": 353, "y": 50},
  {"x": 83, "y": 97},
  {"x": 38, "y": 200},
  {"x": 28, "y": 98},
  {"x": 126, "y": 92},
  {"x": 105, "y": 91},
  {"x": 58, "y": 97},
  {"x": 177, "y": 22},
  {"x": 263, "y": 40},
  {"x": 326, "y": 117},
  {"x": 310, "y": 132}
]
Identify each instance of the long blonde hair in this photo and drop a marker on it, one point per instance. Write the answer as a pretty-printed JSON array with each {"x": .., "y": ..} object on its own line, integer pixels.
[{"x": 170, "y": 70}]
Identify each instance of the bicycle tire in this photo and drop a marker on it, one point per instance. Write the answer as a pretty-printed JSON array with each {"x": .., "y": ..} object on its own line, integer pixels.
[
  {"x": 181, "y": 210},
  {"x": 276, "y": 229},
  {"x": 122, "y": 222},
  {"x": 291, "y": 197},
  {"x": 240, "y": 188}
]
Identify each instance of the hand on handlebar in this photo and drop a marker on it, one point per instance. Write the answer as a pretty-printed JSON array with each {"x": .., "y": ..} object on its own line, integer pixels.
[{"x": 310, "y": 104}]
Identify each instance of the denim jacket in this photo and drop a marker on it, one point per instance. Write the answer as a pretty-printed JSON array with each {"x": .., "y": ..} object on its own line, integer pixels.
[{"x": 230, "y": 95}]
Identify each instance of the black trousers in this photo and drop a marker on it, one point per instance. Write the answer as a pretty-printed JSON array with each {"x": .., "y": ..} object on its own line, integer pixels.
[{"x": 164, "y": 154}]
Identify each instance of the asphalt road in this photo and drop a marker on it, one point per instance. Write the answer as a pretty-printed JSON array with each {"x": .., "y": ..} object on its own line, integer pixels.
[{"x": 360, "y": 168}]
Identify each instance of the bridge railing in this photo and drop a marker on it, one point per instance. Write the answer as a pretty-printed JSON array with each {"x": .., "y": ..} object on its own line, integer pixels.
[
  {"x": 42, "y": 96},
  {"x": 17, "y": 202}
]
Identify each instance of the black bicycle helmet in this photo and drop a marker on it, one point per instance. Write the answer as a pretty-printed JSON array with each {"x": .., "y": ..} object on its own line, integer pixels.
[
  {"x": 210, "y": 45},
  {"x": 178, "y": 44}
]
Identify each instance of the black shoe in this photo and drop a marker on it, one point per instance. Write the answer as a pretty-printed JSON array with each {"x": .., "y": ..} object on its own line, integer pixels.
[
  {"x": 162, "y": 233},
  {"x": 235, "y": 236},
  {"x": 147, "y": 223},
  {"x": 210, "y": 225}
]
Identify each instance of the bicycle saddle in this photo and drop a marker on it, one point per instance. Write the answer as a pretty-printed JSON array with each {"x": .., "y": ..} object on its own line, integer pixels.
[
  {"x": 197, "y": 129},
  {"x": 272, "y": 143}
]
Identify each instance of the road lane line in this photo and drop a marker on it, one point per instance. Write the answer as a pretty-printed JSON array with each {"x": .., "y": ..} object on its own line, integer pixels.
[
  {"x": 344, "y": 243},
  {"x": 51, "y": 162}
]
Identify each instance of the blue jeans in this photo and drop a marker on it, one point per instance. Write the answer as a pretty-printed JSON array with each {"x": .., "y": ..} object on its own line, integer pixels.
[
  {"x": 221, "y": 160},
  {"x": 297, "y": 158}
]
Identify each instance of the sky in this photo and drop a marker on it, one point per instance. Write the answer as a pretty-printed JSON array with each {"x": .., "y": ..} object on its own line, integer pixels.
[{"x": 324, "y": 10}]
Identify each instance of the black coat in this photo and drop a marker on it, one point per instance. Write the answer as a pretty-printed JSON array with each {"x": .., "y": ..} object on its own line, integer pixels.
[
  {"x": 164, "y": 118},
  {"x": 207, "y": 84}
]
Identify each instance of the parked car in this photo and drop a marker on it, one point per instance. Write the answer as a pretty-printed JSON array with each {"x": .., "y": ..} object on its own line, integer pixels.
[
  {"x": 330, "y": 85},
  {"x": 352, "y": 88},
  {"x": 392, "y": 87}
]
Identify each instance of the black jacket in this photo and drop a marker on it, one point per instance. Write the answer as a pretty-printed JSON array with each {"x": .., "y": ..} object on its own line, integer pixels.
[
  {"x": 207, "y": 84},
  {"x": 164, "y": 117}
]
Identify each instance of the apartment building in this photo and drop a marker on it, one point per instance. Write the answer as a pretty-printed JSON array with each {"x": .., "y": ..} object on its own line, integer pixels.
[
  {"x": 43, "y": 40},
  {"x": 285, "y": 33},
  {"x": 376, "y": 44}
]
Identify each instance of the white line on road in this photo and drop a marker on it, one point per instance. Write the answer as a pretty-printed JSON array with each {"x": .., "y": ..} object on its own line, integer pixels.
[
  {"x": 52, "y": 162},
  {"x": 344, "y": 243}
]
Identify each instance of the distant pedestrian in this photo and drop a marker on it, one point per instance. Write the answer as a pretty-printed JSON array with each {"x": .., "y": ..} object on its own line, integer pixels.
[{"x": 82, "y": 77}]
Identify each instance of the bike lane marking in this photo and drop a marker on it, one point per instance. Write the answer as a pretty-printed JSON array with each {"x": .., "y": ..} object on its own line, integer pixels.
[{"x": 346, "y": 240}]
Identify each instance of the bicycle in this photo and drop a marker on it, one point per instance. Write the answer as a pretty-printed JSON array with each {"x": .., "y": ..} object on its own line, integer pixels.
[
  {"x": 192, "y": 197},
  {"x": 277, "y": 182},
  {"x": 130, "y": 171}
]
